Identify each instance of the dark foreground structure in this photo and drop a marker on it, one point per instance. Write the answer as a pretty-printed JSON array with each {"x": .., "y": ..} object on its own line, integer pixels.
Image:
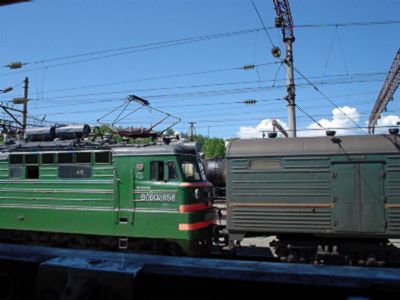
[{"x": 33, "y": 272}]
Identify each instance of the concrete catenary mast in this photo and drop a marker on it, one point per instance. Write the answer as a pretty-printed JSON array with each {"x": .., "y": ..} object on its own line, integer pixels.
[
  {"x": 284, "y": 21},
  {"x": 390, "y": 86}
]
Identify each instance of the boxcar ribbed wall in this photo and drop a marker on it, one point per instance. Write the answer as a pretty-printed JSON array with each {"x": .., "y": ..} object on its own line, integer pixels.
[
  {"x": 272, "y": 194},
  {"x": 392, "y": 191}
]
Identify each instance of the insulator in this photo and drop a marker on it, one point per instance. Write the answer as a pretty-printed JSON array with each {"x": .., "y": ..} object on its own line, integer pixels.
[
  {"x": 250, "y": 101},
  {"x": 394, "y": 131},
  {"x": 276, "y": 52},
  {"x": 19, "y": 100},
  {"x": 6, "y": 90},
  {"x": 248, "y": 67},
  {"x": 278, "y": 21},
  {"x": 15, "y": 65}
]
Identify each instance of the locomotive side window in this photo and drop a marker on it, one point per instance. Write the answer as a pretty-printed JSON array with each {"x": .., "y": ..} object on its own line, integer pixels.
[
  {"x": 74, "y": 171},
  {"x": 48, "y": 159},
  {"x": 15, "y": 172},
  {"x": 157, "y": 170},
  {"x": 31, "y": 159},
  {"x": 102, "y": 157},
  {"x": 16, "y": 159},
  {"x": 65, "y": 158},
  {"x": 171, "y": 170},
  {"x": 190, "y": 171},
  {"x": 84, "y": 157}
]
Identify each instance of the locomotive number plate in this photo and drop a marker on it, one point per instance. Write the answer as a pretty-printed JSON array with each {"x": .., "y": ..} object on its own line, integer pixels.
[{"x": 163, "y": 197}]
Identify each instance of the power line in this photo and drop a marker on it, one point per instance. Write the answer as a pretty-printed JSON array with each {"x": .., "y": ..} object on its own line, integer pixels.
[
  {"x": 349, "y": 24},
  {"x": 157, "y": 78},
  {"x": 130, "y": 49},
  {"x": 170, "y": 43},
  {"x": 348, "y": 79},
  {"x": 217, "y": 107},
  {"x": 327, "y": 98},
  {"x": 202, "y": 93},
  {"x": 309, "y": 116},
  {"x": 262, "y": 22}
]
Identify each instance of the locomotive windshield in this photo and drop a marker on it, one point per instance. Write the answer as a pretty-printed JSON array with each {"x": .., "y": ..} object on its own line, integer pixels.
[{"x": 190, "y": 170}]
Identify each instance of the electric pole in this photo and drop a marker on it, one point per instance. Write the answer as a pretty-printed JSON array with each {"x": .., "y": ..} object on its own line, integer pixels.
[
  {"x": 192, "y": 130},
  {"x": 25, "y": 103},
  {"x": 284, "y": 21}
]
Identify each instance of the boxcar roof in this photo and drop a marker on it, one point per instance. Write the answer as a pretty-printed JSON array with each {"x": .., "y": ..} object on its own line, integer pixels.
[{"x": 314, "y": 145}]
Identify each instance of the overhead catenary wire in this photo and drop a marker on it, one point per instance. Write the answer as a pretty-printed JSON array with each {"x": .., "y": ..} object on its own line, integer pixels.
[
  {"x": 342, "y": 52},
  {"x": 157, "y": 78},
  {"x": 328, "y": 99},
  {"x": 197, "y": 104},
  {"x": 349, "y": 79},
  {"x": 128, "y": 50},
  {"x": 235, "y": 117},
  {"x": 158, "y": 45},
  {"x": 309, "y": 116}
]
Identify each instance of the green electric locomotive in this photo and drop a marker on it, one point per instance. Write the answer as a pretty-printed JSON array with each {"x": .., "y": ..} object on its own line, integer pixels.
[{"x": 67, "y": 191}]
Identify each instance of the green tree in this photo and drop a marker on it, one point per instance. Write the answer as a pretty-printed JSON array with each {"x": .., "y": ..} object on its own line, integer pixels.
[
  {"x": 169, "y": 131},
  {"x": 214, "y": 148}
]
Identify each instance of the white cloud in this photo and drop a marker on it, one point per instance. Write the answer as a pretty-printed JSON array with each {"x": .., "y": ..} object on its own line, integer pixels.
[
  {"x": 390, "y": 120},
  {"x": 340, "y": 119},
  {"x": 248, "y": 132}
]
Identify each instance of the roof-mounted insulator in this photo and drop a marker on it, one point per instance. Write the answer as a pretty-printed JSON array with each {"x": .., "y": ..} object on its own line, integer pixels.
[
  {"x": 15, "y": 65},
  {"x": 250, "y": 101},
  {"x": 248, "y": 67}
]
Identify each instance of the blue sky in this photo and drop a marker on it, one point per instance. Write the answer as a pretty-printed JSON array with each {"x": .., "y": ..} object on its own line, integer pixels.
[{"x": 41, "y": 30}]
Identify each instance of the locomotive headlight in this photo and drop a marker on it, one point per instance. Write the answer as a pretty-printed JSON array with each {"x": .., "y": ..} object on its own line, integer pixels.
[{"x": 197, "y": 194}]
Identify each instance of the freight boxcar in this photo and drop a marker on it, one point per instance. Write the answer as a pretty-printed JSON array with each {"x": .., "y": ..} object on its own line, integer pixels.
[
  {"x": 151, "y": 198},
  {"x": 336, "y": 197}
]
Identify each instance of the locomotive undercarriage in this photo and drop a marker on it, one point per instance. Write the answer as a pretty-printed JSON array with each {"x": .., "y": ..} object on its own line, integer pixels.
[
  {"x": 80, "y": 241},
  {"x": 351, "y": 251}
]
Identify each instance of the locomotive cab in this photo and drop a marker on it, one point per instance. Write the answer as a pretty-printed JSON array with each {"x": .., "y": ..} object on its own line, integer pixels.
[{"x": 171, "y": 198}]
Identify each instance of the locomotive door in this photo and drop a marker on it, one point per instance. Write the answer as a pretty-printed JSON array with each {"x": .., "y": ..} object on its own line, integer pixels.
[
  {"x": 125, "y": 182},
  {"x": 358, "y": 195}
]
